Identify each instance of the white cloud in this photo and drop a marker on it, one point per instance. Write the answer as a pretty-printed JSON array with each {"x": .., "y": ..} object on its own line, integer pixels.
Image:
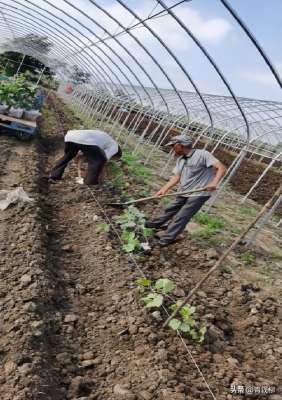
[
  {"x": 263, "y": 78},
  {"x": 211, "y": 30},
  {"x": 208, "y": 29}
]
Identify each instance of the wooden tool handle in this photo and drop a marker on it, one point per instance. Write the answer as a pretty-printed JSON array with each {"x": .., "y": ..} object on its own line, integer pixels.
[{"x": 165, "y": 195}]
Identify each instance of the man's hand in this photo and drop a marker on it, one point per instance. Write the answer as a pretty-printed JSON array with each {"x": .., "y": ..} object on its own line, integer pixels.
[
  {"x": 161, "y": 192},
  {"x": 211, "y": 188}
]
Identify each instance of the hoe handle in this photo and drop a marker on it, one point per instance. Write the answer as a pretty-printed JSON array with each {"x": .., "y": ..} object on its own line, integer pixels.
[{"x": 165, "y": 195}]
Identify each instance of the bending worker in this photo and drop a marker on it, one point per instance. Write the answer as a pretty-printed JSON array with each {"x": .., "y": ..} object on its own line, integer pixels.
[
  {"x": 194, "y": 169},
  {"x": 97, "y": 148}
]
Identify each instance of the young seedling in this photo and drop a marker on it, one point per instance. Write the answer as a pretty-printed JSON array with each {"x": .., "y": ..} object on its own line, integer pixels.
[
  {"x": 17, "y": 93},
  {"x": 134, "y": 233},
  {"x": 157, "y": 294},
  {"x": 104, "y": 227},
  {"x": 186, "y": 323},
  {"x": 160, "y": 288},
  {"x": 131, "y": 242}
]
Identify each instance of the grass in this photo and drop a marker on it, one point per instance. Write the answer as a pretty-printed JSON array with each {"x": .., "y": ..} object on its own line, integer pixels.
[
  {"x": 210, "y": 221},
  {"x": 247, "y": 257},
  {"x": 132, "y": 166},
  {"x": 135, "y": 168},
  {"x": 211, "y": 225},
  {"x": 116, "y": 174},
  {"x": 248, "y": 211}
]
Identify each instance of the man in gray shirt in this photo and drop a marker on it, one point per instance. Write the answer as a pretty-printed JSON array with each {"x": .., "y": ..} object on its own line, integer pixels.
[{"x": 194, "y": 169}]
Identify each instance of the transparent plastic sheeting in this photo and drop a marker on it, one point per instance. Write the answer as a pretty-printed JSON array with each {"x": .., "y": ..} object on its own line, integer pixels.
[{"x": 160, "y": 57}]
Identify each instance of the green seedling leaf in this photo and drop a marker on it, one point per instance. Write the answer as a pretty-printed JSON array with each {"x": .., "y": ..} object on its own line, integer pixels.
[
  {"x": 202, "y": 333},
  {"x": 184, "y": 327},
  {"x": 131, "y": 246},
  {"x": 153, "y": 300},
  {"x": 128, "y": 236},
  {"x": 173, "y": 307},
  {"x": 194, "y": 335},
  {"x": 104, "y": 227},
  {"x": 144, "y": 282},
  {"x": 174, "y": 324},
  {"x": 165, "y": 285},
  {"x": 187, "y": 311},
  {"x": 129, "y": 224},
  {"x": 147, "y": 232},
  {"x": 190, "y": 321}
]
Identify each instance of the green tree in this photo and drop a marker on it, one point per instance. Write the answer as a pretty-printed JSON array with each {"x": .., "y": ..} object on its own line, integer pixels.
[
  {"x": 10, "y": 60},
  {"x": 79, "y": 76}
]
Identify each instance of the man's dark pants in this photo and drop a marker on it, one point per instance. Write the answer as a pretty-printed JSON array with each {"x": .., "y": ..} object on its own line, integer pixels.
[
  {"x": 180, "y": 212},
  {"x": 95, "y": 158}
]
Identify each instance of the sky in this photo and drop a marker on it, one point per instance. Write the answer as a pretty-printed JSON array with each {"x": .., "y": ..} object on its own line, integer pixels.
[{"x": 209, "y": 21}]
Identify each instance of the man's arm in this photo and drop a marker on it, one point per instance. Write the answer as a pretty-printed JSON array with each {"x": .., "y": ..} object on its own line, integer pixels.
[
  {"x": 172, "y": 182},
  {"x": 220, "y": 171}
]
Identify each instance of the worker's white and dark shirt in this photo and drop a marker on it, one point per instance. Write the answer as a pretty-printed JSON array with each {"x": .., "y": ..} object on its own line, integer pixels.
[
  {"x": 196, "y": 170},
  {"x": 94, "y": 138}
]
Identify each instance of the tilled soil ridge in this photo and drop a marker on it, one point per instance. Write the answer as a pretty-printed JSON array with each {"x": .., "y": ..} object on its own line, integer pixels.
[{"x": 72, "y": 325}]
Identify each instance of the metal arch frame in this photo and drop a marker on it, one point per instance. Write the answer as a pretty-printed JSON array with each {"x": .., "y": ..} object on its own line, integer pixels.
[
  {"x": 7, "y": 24},
  {"x": 139, "y": 24},
  {"x": 260, "y": 136},
  {"x": 238, "y": 127},
  {"x": 253, "y": 39},
  {"x": 123, "y": 47},
  {"x": 35, "y": 54},
  {"x": 236, "y": 116},
  {"x": 147, "y": 52},
  {"x": 132, "y": 56},
  {"x": 109, "y": 70},
  {"x": 262, "y": 175},
  {"x": 166, "y": 48},
  {"x": 221, "y": 140},
  {"x": 253, "y": 122},
  {"x": 43, "y": 60},
  {"x": 231, "y": 105},
  {"x": 67, "y": 55},
  {"x": 108, "y": 47},
  {"x": 211, "y": 60},
  {"x": 183, "y": 69},
  {"x": 106, "y": 55}
]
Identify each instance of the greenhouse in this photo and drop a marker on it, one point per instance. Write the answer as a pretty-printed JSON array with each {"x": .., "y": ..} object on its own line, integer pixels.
[{"x": 144, "y": 263}]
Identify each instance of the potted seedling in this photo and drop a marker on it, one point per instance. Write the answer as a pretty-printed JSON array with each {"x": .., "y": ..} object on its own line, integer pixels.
[{"x": 17, "y": 94}]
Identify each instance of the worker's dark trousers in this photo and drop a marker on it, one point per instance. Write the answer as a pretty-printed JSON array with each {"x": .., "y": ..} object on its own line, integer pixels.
[
  {"x": 180, "y": 212},
  {"x": 95, "y": 158}
]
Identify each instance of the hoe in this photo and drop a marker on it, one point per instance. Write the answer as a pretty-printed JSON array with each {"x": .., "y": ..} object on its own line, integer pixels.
[{"x": 145, "y": 199}]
